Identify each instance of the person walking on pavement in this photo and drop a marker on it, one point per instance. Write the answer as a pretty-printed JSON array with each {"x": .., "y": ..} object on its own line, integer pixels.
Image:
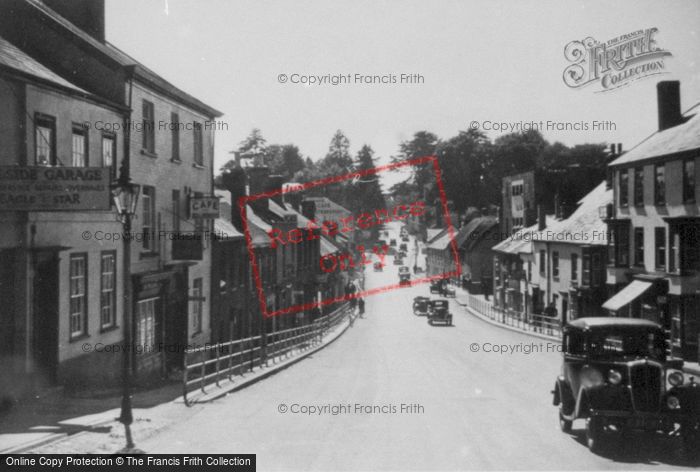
[{"x": 361, "y": 306}]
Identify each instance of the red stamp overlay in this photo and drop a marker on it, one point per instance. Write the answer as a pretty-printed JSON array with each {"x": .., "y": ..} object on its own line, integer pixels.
[{"x": 352, "y": 257}]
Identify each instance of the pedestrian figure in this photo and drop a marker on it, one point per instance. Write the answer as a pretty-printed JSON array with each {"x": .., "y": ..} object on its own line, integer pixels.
[{"x": 361, "y": 306}]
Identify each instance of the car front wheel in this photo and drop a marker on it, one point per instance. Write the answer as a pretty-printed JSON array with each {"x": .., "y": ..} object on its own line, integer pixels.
[{"x": 594, "y": 433}]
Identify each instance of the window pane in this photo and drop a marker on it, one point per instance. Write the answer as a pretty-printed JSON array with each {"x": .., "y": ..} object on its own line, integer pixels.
[
  {"x": 79, "y": 156},
  {"x": 44, "y": 145}
]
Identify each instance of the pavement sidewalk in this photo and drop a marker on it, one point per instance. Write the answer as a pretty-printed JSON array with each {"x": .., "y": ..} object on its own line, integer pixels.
[
  {"x": 58, "y": 424},
  {"x": 691, "y": 368}
]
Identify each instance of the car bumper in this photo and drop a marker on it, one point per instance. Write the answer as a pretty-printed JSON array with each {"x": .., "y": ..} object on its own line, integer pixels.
[{"x": 650, "y": 421}]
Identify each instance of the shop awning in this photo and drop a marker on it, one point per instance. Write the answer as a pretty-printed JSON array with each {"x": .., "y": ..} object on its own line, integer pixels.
[{"x": 627, "y": 295}]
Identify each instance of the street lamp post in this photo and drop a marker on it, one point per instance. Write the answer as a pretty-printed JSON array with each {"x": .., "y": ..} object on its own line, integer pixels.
[{"x": 126, "y": 195}]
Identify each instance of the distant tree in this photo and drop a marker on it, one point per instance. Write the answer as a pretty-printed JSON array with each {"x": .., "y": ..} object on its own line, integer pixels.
[
  {"x": 254, "y": 147},
  {"x": 366, "y": 191},
  {"x": 463, "y": 162},
  {"x": 338, "y": 159},
  {"x": 285, "y": 160},
  {"x": 517, "y": 152},
  {"x": 423, "y": 143}
]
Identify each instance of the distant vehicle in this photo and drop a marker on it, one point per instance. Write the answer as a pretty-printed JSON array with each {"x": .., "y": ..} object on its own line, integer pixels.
[
  {"x": 420, "y": 306},
  {"x": 437, "y": 286},
  {"x": 439, "y": 312},
  {"x": 404, "y": 238},
  {"x": 398, "y": 260},
  {"x": 392, "y": 242},
  {"x": 402, "y": 254},
  {"x": 449, "y": 291},
  {"x": 378, "y": 267},
  {"x": 615, "y": 375},
  {"x": 403, "y": 247},
  {"x": 404, "y": 275}
]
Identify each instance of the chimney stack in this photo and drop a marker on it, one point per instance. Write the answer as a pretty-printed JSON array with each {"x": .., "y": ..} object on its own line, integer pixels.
[
  {"x": 275, "y": 182},
  {"x": 668, "y": 94},
  {"x": 308, "y": 209},
  {"x": 294, "y": 198},
  {"x": 88, "y": 15},
  {"x": 258, "y": 183},
  {"x": 234, "y": 180},
  {"x": 541, "y": 218}
]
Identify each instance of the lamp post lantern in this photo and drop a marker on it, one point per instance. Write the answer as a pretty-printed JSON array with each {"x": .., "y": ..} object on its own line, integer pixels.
[{"x": 125, "y": 195}]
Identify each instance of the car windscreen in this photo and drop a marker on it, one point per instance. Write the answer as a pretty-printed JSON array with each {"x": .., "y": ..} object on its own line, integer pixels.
[{"x": 628, "y": 343}]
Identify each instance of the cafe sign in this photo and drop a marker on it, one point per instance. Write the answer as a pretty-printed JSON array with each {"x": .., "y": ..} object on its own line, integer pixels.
[
  {"x": 41, "y": 188},
  {"x": 206, "y": 208}
]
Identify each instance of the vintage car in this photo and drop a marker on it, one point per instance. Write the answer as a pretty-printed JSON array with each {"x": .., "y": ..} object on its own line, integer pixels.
[
  {"x": 398, "y": 260},
  {"x": 404, "y": 275},
  {"x": 439, "y": 312},
  {"x": 449, "y": 291},
  {"x": 403, "y": 247},
  {"x": 378, "y": 267},
  {"x": 437, "y": 286},
  {"x": 420, "y": 305},
  {"x": 615, "y": 375}
]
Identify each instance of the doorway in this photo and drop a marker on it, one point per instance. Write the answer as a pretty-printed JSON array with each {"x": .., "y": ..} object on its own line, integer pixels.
[{"x": 45, "y": 317}]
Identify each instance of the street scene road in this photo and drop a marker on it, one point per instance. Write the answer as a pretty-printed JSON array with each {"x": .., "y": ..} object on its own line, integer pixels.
[{"x": 465, "y": 406}]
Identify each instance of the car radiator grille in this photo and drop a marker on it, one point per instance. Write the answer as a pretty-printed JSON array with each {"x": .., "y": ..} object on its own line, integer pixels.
[{"x": 645, "y": 380}]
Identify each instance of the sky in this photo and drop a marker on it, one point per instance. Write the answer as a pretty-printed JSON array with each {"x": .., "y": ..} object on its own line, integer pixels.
[{"x": 484, "y": 61}]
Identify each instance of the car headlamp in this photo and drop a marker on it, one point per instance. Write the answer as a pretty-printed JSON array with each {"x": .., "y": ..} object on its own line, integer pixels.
[
  {"x": 672, "y": 402},
  {"x": 591, "y": 377},
  {"x": 614, "y": 377},
  {"x": 675, "y": 378}
]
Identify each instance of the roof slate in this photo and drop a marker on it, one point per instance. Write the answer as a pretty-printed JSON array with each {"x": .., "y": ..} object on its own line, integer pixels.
[{"x": 683, "y": 137}]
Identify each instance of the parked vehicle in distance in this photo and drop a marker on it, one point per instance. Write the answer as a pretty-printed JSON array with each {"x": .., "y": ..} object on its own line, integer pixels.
[
  {"x": 439, "y": 312},
  {"x": 378, "y": 267},
  {"x": 420, "y": 305},
  {"x": 404, "y": 275},
  {"x": 616, "y": 376},
  {"x": 449, "y": 291},
  {"x": 398, "y": 260},
  {"x": 437, "y": 286},
  {"x": 403, "y": 247},
  {"x": 392, "y": 242}
]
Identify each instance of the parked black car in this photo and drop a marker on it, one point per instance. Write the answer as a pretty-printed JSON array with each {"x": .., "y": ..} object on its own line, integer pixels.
[
  {"x": 616, "y": 376},
  {"x": 437, "y": 286},
  {"x": 439, "y": 312},
  {"x": 420, "y": 305}
]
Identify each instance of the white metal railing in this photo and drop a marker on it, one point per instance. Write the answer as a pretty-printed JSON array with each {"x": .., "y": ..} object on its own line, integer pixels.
[
  {"x": 209, "y": 365},
  {"x": 526, "y": 322}
]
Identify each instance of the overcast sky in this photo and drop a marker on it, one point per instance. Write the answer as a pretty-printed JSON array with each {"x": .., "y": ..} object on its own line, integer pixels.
[{"x": 492, "y": 60}]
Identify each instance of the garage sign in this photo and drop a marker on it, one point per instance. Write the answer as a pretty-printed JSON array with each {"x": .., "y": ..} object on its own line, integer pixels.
[{"x": 39, "y": 188}]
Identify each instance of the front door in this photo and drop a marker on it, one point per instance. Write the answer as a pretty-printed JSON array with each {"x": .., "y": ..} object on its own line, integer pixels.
[
  {"x": 175, "y": 318},
  {"x": 45, "y": 317}
]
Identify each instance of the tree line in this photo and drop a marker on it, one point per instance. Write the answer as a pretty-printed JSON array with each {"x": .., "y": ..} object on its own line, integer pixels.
[{"x": 472, "y": 166}]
